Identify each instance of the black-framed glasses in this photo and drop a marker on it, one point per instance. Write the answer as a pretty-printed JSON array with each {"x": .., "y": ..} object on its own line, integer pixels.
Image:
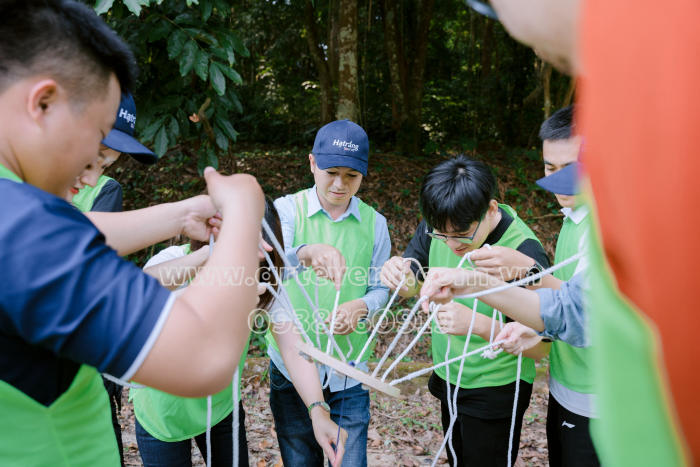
[
  {"x": 457, "y": 238},
  {"x": 482, "y": 8}
]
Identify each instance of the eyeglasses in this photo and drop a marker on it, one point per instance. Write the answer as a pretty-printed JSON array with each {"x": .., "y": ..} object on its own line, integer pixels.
[
  {"x": 457, "y": 238},
  {"x": 482, "y": 9}
]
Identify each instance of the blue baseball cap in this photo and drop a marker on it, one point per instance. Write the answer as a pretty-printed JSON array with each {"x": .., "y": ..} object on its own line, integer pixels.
[
  {"x": 342, "y": 144},
  {"x": 121, "y": 137},
  {"x": 562, "y": 182}
]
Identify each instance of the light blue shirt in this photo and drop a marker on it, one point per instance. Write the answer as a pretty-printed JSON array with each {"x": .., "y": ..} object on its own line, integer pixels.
[
  {"x": 377, "y": 294},
  {"x": 563, "y": 313}
]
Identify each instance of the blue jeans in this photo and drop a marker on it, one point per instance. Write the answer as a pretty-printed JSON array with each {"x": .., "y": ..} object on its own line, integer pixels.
[
  {"x": 295, "y": 433},
  {"x": 157, "y": 453}
]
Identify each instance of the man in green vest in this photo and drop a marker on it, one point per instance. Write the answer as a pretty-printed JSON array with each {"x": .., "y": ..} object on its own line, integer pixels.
[
  {"x": 571, "y": 398},
  {"x": 461, "y": 216},
  {"x": 94, "y": 191},
  {"x": 340, "y": 238},
  {"x": 70, "y": 307}
]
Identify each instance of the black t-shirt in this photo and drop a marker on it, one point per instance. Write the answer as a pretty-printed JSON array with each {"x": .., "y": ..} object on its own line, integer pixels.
[
  {"x": 419, "y": 246},
  {"x": 109, "y": 199},
  {"x": 491, "y": 403},
  {"x": 488, "y": 402}
]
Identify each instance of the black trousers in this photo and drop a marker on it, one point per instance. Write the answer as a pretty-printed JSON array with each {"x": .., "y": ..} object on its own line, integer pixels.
[
  {"x": 114, "y": 392},
  {"x": 569, "y": 438},
  {"x": 483, "y": 442}
]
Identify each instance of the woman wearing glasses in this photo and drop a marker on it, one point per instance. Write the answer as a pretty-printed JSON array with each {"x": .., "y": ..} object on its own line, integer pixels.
[{"x": 460, "y": 216}]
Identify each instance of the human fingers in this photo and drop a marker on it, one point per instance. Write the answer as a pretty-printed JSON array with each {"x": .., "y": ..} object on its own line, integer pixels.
[
  {"x": 391, "y": 273},
  {"x": 340, "y": 448},
  {"x": 482, "y": 254},
  {"x": 338, "y": 269}
]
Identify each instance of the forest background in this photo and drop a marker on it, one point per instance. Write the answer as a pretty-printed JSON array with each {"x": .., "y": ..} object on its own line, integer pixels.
[{"x": 243, "y": 85}]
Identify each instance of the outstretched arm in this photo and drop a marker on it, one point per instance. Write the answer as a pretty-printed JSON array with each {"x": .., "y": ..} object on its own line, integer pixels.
[
  {"x": 131, "y": 231},
  {"x": 308, "y": 385},
  {"x": 207, "y": 328}
]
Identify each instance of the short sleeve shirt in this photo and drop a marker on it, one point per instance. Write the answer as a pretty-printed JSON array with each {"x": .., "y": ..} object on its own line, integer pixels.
[{"x": 66, "y": 298}]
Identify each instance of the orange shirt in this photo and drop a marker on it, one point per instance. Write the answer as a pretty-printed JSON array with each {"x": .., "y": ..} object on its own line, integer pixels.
[{"x": 639, "y": 110}]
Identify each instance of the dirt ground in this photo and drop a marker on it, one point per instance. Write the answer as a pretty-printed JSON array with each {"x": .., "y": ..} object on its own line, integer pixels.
[{"x": 402, "y": 432}]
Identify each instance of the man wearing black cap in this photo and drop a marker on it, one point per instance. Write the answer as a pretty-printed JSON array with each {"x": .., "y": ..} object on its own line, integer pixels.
[{"x": 94, "y": 191}]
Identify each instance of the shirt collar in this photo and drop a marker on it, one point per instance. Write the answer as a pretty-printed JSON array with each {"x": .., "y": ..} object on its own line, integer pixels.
[
  {"x": 314, "y": 205},
  {"x": 8, "y": 174},
  {"x": 577, "y": 215}
]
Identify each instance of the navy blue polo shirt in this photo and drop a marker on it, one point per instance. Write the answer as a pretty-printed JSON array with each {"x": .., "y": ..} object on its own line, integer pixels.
[{"x": 66, "y": 298}]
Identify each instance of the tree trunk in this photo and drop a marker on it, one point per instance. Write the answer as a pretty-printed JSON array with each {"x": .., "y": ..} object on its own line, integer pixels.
[
  {"x": 397, "y": 64},
  {"x": 546, "y": 80},
  {"x": 319, "y": 58},
  {"x": 347, "y": 61},
  {"x": 407, "y": 70}
]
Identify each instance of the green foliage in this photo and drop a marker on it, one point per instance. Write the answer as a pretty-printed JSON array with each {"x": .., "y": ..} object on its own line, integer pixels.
[{"x": 186, "y": 50}]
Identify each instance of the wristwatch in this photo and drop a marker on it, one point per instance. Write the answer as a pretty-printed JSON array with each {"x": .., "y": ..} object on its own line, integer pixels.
[
  {"x": 322, "y": 404},
  {"x": 534, "y": 270}
]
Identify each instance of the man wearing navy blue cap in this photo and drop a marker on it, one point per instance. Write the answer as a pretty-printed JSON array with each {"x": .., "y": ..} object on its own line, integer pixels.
[
  {"x": 94, "y": 191},
  {"x": 340, "y": 238}
]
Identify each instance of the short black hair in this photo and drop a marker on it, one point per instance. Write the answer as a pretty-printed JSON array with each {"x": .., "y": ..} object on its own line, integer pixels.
[
  {"x": 457, "y": 192},
  {"x": 559, "y": 125},
  {"x": 65, "y": 40}
]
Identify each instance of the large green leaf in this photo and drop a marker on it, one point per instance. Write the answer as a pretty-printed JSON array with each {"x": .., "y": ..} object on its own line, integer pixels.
[
  {"x": 174, "y": 128},
  {"x": 238, "y": 45},
  {"x": 134, "y": 6},
  {"x": 232, "y": 74},
  {"x": 103, "y": 6},
  {"x": 161, "y": 143},
  {"x": 226, "y": 126},
  {"x": 189, "y": 53},
  {"x": 176, "y": 43},
  {"x": 150, "y": 131},
  {"x": 217, "y": 79},
  {"x": 207, "y": 7},
  {"x": 221, "y": 139},
  {"x": 201, "y": 64},
  {"x": 207, "y": 157}
]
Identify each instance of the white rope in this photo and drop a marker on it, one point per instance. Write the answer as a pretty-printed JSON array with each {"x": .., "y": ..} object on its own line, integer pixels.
[
  {"x": 208, "y": 435},
  {"x": 333, "y": 315},
  {"x": 515, "y": 408},
  {"x": 350, "y": 346},
  {"x": 121, "y": 382},
  {"x": 317, "y": 316},
  {"x": 490, "y": 353},
  {"x": 289, "y": 313},
  {"x": 236, "y": 416},
  {"x": 423, "y": 371},
  {"x": 421, "y": 331},
  {"x": 290, "y": 268},
  {"x": 452, "y": 405},
  {"x": 379, "y": 322},
  {"x": 523, "y": 281},
  {"x": 398, "y": 335},
  {"x": 450, "y": 409}
]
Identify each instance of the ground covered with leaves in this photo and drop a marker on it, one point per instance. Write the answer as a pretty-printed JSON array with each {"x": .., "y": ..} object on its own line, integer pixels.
[{"x": 405, "y": 431}]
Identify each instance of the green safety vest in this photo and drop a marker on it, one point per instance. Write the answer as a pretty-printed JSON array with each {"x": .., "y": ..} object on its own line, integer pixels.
[
  {"x": 355, "y": 240},
  {"x": 8, "y": 174},
  {"x": 173, "y": 418},
  {"x": 86, "y": 197},
  {"x": 76, "y": 429},
  {"x": 478, "y": 372},
  {"x": 570, "y": 365},
  {"x": 636, "y": 425}
]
